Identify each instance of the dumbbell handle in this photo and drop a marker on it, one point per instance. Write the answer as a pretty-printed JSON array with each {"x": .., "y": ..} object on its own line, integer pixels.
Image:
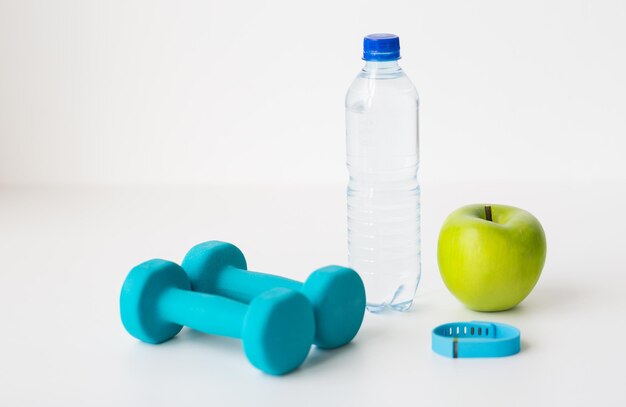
[
  {"x": 203, "y": 312},
  {"x": 244, "y": 285}
]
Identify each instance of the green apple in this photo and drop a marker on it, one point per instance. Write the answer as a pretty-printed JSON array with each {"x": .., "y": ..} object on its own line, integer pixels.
[{"x": 491, "y": 256}]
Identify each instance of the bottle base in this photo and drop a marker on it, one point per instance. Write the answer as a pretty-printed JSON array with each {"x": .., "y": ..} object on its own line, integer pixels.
[
  {"x": 380, "y": 307},
  {"x": 401, "y": 301}
]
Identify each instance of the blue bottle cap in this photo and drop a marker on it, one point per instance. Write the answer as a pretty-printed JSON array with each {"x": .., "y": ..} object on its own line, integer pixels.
[{"x": 381, "y": 47}]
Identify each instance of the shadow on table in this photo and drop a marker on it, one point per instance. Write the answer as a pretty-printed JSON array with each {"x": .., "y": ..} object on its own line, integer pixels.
[
  {"x": 223, "y": 343},
  {"x": 325, "y": 357},
  {"x": 317, "y": 357},
  {"x": 550, "y": 298}
]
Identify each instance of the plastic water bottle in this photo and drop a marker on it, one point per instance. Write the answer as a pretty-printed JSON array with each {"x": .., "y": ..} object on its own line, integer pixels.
[{"x": 383, "y": 193}]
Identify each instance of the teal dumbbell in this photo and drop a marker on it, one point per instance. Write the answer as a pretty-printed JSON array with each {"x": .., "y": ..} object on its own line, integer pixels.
[
  {"x": 276, "y": 328},
  {"x": 336, "y": 293}
]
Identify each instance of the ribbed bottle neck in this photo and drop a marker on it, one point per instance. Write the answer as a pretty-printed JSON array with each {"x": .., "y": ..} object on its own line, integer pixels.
[{"x": 382, "y": 66}]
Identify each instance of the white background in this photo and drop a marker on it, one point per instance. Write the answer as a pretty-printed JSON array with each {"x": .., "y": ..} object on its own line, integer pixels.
[
  {"x": 107, "y": 108},
  {"x": 220, "y": 92}
]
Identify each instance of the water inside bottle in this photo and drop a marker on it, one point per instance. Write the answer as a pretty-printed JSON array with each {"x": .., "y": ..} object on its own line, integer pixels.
[{"x": 383, "y": 192}]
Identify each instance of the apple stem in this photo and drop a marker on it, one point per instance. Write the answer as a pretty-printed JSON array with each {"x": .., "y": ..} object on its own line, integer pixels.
[{"x": 488, "y": 213}]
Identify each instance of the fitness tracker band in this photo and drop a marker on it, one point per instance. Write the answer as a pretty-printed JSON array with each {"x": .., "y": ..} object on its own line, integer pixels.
[{"x": 476, "y": 339}]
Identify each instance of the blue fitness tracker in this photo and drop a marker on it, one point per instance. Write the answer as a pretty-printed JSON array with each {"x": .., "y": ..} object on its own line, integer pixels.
[{"x": 476, "y": 339}]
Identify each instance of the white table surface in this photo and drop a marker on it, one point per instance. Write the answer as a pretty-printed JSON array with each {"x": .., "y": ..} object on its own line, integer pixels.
[{"x": 66, "y": 250}]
